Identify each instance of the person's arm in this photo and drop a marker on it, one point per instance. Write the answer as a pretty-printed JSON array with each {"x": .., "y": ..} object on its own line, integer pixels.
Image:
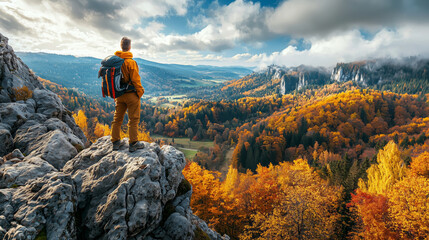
[{"x": 136, "y": 80}]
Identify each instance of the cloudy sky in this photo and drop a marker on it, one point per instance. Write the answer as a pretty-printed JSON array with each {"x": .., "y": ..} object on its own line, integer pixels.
[{"x": 222, "y": 32}]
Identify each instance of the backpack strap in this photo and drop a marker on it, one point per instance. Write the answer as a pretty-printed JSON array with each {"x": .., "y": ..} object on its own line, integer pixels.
[
  {"x": 129, "y": 80},
  {"x": 112, "y": 76}
]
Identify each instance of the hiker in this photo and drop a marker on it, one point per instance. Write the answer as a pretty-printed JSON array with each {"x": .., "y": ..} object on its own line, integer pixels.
[{"x": 129, "y": 101}]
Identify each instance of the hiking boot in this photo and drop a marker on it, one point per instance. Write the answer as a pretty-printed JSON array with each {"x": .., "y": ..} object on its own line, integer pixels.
[
  {"x": 136, "y": 145},
  {"x": 116, "y": 145}
]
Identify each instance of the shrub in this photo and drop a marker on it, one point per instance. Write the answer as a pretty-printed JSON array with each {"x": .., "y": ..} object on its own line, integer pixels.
[
  {"x": 42, "y": 235},
  {"x": 22, "y": 93},
  {"x": 199, "y": 234},
  {"x": 184, "y": 187}
]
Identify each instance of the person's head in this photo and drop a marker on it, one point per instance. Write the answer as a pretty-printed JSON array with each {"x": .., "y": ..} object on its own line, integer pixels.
[{"x": 125, "y": 44}]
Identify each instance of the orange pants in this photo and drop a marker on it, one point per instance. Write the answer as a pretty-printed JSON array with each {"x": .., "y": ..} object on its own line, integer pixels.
[{"x": 131, "y": 102}]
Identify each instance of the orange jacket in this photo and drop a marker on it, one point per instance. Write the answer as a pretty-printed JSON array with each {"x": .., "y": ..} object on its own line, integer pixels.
[{"x": 130, "y": 70}]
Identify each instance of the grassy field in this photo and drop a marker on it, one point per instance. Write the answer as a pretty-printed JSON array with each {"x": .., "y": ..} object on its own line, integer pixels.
[
  {"x": 189, "y": 153},
  {"x": 188, "y": 147}
]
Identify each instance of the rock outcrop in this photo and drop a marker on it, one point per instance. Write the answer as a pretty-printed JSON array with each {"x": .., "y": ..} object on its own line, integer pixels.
[
  {"x": 26, "y": 120},
  {"x": 58, "y": 189},
  {"x": 344, "y": 72},
  {"x": 381, "y": 71},
  {"x": 296, "y": 78}
]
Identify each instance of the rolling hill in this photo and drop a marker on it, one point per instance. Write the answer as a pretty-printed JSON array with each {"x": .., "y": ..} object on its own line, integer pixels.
[{"x": 157, "y": 78}]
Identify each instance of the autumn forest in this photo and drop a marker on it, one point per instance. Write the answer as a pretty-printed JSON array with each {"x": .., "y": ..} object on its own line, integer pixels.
[{"x": 331, "y": 161}]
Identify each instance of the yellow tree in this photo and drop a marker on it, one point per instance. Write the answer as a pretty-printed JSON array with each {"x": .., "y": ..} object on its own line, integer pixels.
[
  {"x": 82, "y": 121},
  {"x": 307, "y": 208},
  {"x": 206, "y": 193},
  {"x": 99, "y": 130},
  {"x": 389, "y": 169},
  {"x": 420, "y": 165},
  {"x": 231, "y": 182},
  {"x": 409, "y": 207}
]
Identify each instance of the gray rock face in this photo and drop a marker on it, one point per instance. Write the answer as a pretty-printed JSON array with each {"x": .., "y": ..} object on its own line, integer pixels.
[
  {"x": 56, "y": 124},
  {"x": 28, "y": 133},
  {"x": 6, "y": 141},
  {"x": 4, "y": 96},
  {"x": 13, "y": 72},
  {"x": 53, "y": 147},
  {"x": 18, "y": 174},
  {"x": 15, "y": 113},
  {"x": 109, "y": 194},
  {"x": 124, "y": 193},
  {"x": 68, "y": 119},
  {"x": 45, "y": 203},
  {"x": 27, "y": 120},
  {"x": 48, "y": 103}
]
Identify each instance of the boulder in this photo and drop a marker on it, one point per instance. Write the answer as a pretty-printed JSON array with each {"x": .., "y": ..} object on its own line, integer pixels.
[
  {"x": 48, "y": 103},
  {"x": 101, "y": 194},
  {"x": 4, "y": 96},
  {"x": 52, "y": 147},
  {"x": 14, "y": 174},
  {"x": 6, "y": 141},
  {"x": 68, "y": 119},
  {"x": 27, "y": 134},
  {"x": 43, "y": 204},
  {"x": 56, "y": 124},
  {"x": 122, "y": 194},
  {"x": 15, "y": 114},
  {"x": 139, "y": 195}
]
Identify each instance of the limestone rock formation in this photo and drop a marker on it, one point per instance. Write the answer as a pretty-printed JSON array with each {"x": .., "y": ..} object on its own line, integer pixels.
[
  {"x": 294, "y": 78},
  {"x": 59, "y": 189},
  {"x": 33, "y": 114},
  {"x": 43, "y": 204}
]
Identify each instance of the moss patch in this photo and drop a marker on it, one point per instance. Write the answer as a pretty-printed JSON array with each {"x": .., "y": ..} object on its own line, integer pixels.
[
  {"x": 78, "y": 147},
  {"x": 42, "y": 235},
  {"x": 167, "y": 211},
  {"x": 199, "y": 234},
  {"x": 183, "y": 188}
]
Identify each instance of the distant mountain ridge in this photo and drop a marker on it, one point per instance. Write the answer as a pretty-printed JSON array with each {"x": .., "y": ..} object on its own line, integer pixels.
[
  {"x": 272, "y": 80},
  {"x": 408, "y": 75},
  {"x": 157, "y": 78}
]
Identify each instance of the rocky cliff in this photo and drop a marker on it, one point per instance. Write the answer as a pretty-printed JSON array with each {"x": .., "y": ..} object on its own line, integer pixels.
[
  {"x": 381, "y": 71},
  {"x": 296, "y": 78},
  {"x": 52, "y": 186}
]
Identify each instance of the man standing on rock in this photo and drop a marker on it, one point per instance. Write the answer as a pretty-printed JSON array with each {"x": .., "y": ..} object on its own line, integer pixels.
[{"x": 130, "y": 100}]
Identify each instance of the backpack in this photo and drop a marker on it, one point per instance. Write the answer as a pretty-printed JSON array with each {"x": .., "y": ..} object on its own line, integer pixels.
[{"x": 111, "y": 77}]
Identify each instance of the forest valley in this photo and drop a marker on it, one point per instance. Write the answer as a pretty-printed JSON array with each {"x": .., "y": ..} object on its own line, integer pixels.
[{"x": 331, "y": 162}]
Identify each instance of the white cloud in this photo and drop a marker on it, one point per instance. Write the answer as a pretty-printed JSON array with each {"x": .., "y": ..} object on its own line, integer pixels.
[
  {"x": 84, "y": 28},
  {"x": 407, "y": 40},
  {"x": 307, "y": 18},
  {"x": 241, "y": 56},
  {"x": 94, "y": 28},
  {"x": 136, "y": 10}
]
